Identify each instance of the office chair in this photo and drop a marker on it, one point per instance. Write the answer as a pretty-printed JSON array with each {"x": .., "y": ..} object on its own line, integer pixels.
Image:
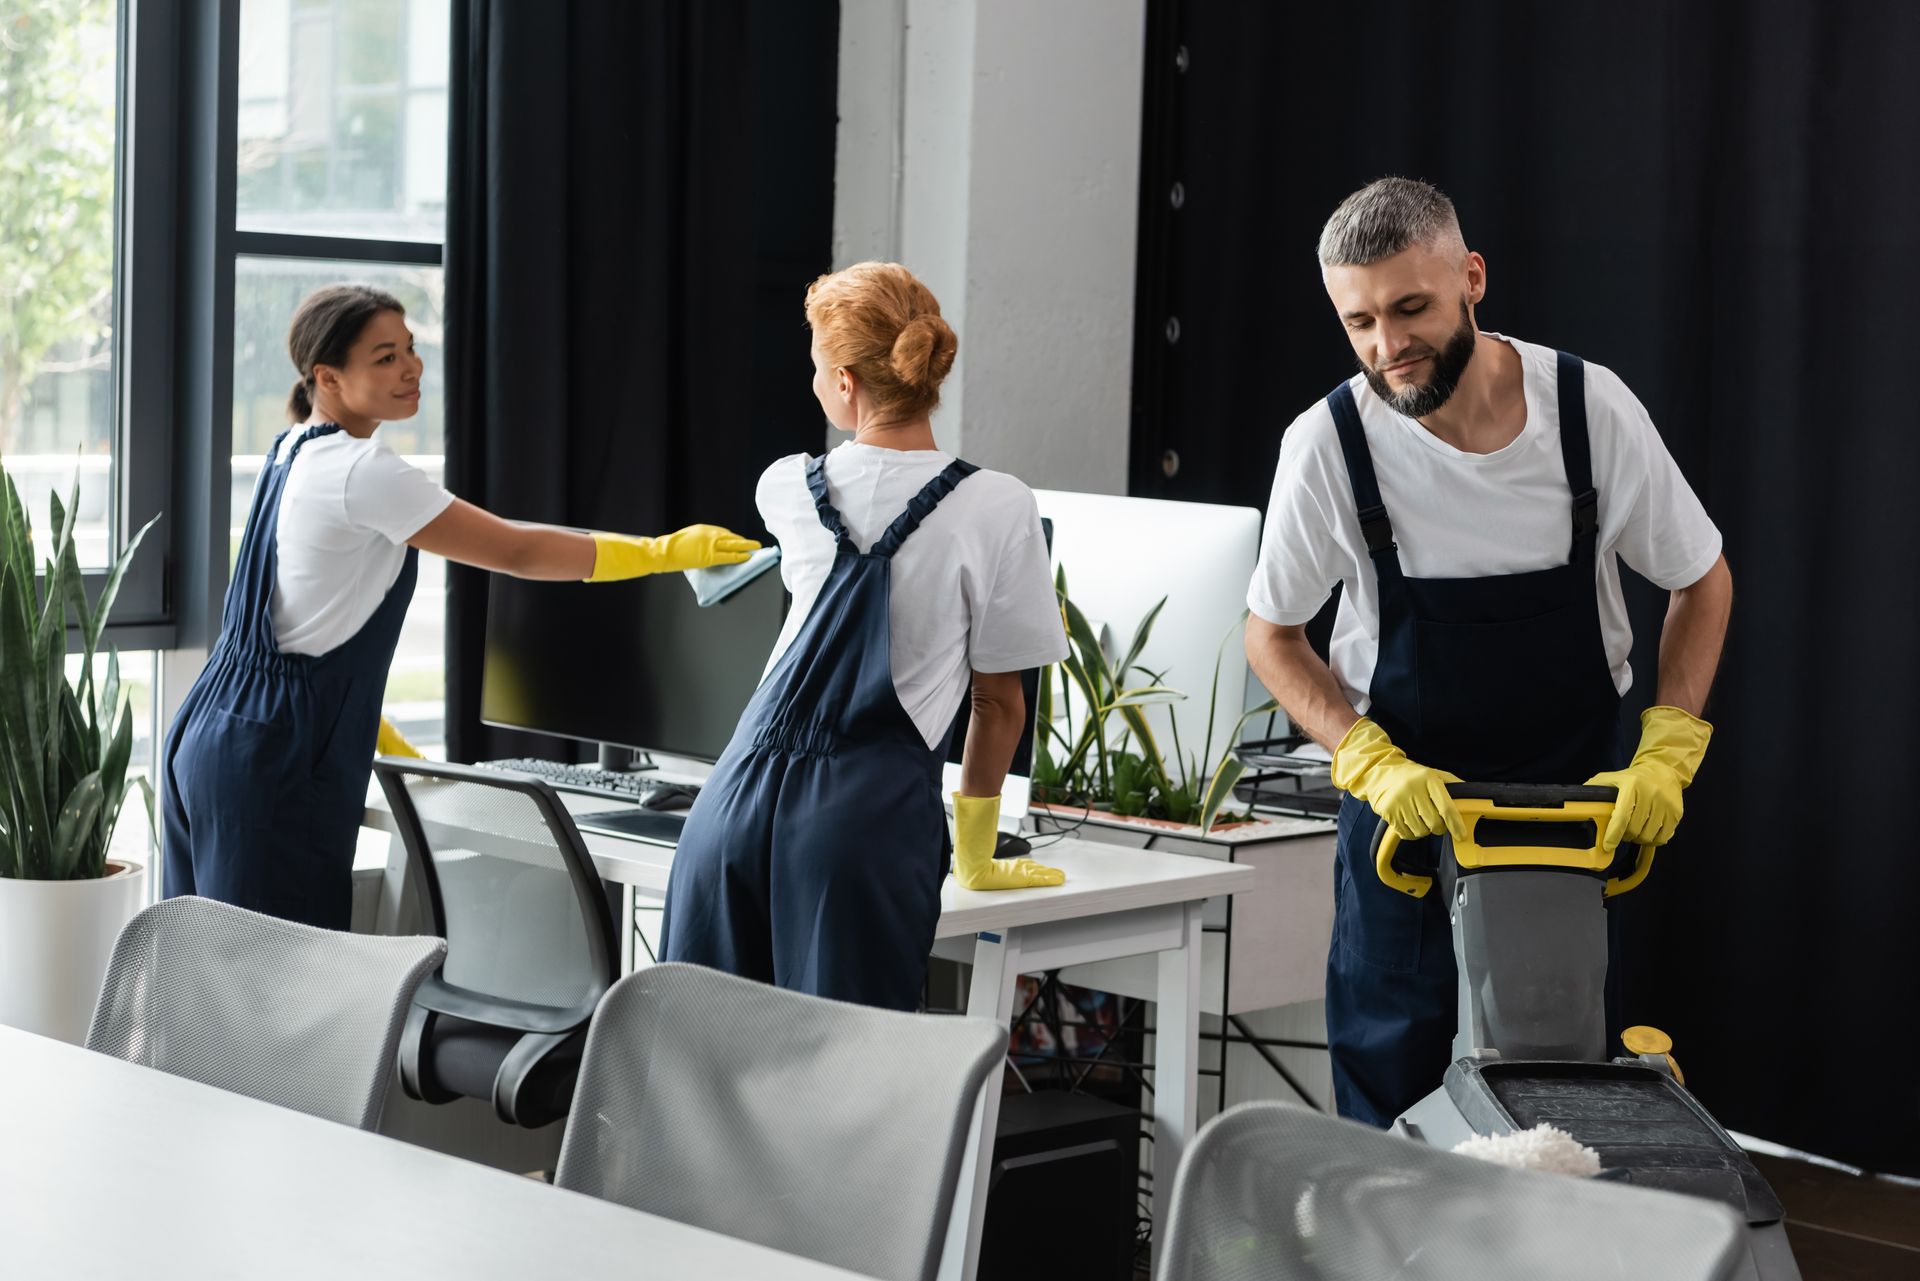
[
  {"x": 286, "y": 1013},
  {"x": 824, "y": 1129},
  {"x": 507, "y": 881},
  {"x": 1271, "y": 1191}
]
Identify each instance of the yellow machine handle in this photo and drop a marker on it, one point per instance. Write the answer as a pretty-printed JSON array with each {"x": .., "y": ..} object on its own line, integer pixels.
[{"x": 1523, "y": 803}]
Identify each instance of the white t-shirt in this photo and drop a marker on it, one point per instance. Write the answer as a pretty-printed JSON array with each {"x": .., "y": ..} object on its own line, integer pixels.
[
  {"x": 1461, "y": 515},
  {"x": 346, "y": 514},
  {"x": 971, "y": 590}
]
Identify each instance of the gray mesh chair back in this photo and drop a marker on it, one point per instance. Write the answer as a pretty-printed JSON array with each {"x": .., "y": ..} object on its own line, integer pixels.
[
  {"x": 286, "y": 1013},
  {"x": 1274, "y": 1192},
  {"x": 509, "y": 884},
  {"x": 824, "y": 1129}
]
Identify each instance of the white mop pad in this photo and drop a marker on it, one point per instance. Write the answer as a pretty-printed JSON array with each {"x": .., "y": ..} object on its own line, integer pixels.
[{"x": 1542, "y": 1148}]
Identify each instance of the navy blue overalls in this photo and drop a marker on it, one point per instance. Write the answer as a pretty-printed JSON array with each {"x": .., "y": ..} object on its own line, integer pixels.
[
  {"x": 266, "y": 767},
  {"x": 814, "y": 855},
  {"x": 1496, "y": 679}
]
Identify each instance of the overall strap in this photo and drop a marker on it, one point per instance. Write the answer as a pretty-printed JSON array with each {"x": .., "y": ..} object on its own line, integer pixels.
[
  {"x": 1375, "y": 526},
  {"x": 1576, "y": 454},
  {"x": 318, "y": 430},
  {"x": 920, "y": 507},
  {"x": 829, "y": 515},
  {"x": 247, "y": 617}
]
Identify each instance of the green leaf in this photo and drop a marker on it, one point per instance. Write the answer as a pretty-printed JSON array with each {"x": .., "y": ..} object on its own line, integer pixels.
[
  {"x": 1220, "y": 791},
  {"x": 16, "y": 534},
  {"x": 109, "y": 692},
  {"x": 78, "y": 815},
  {"x": 1179, "y": 803},
  {"x": 1137, "y": 722},
  {"x": 1213, "y": 690},
  {"x": 1145, "y": 696},
  {"x": 1092, "y": 658},
  {"x": 112, "y": 589},
  {"x": 22, "y": 688},
  {"x": 1140, "y": 635}
]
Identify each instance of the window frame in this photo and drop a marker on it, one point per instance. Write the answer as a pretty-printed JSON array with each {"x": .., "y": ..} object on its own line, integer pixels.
[{"x": 175, "y": 276}]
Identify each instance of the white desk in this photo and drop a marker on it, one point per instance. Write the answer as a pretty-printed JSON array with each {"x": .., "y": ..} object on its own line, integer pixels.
[
  {"x": 108, "y": 1170},
  {"x": 1116, "y": 902}
]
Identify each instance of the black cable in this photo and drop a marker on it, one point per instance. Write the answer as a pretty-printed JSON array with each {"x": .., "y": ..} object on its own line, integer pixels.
[{"x": 1060, "y": 833}]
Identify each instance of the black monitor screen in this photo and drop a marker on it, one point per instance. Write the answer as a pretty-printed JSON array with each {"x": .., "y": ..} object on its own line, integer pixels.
[{"x": 637, "y": 663}]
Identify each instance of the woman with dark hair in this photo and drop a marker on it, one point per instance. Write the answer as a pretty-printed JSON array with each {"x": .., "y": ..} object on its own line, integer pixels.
[{"x": 265, "y": 773}]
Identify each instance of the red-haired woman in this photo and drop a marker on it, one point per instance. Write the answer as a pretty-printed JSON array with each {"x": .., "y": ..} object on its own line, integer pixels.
[{"x": 815, "y": 853}]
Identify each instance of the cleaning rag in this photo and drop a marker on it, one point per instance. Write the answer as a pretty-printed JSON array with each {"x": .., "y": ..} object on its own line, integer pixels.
[{"x": 710, "y": 586}]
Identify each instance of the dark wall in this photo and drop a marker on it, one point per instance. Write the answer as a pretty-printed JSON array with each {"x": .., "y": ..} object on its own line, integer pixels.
[
  {"x": 638, "y": 197},
  {"x": 1717, "y": 200}
]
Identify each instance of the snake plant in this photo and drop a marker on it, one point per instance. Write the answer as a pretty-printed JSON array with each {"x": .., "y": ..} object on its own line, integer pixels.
[
  {"x": 64, "y": 751},
  {"x": 1121, "y": 768}
]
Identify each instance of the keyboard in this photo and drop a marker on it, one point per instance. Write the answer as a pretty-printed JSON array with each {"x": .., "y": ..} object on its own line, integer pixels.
[
  {"x": 649, "y": 824},
  {"x": 632, "y": 786}
]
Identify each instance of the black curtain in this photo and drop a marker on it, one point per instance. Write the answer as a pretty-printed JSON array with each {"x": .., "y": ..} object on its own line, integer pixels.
[
  {"x": 638, "y": 195},
  {"x": 1718, "y": 201}
]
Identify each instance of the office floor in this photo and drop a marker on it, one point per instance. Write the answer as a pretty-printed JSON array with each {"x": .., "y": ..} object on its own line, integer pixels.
[{"x": 1844, "y": 1227}]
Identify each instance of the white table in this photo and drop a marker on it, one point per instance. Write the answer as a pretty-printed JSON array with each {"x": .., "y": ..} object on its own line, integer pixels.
[
  {"x": 109, "y": 1170},
  {"x": 1116, "y": 902}
]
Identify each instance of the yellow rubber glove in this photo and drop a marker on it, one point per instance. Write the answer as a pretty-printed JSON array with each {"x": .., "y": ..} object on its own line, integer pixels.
[
  {"x": 391, "y": 742},
  {"x": 1672, "y": 744},
  {"x": 976, "y": 823},
  {"x": 1410, "y": 797},
  {"x": 617, "y": 556}
]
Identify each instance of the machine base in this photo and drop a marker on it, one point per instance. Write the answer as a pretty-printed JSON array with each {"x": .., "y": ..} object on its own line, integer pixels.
[{"x": 1647, "y": 1128}]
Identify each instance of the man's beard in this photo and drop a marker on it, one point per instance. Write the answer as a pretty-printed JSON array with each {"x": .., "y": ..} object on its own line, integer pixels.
[{"x": 1448, "y": 365}]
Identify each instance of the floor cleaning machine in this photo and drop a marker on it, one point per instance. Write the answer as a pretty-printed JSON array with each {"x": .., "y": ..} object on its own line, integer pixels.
[{"x": 1527, "y": 895}]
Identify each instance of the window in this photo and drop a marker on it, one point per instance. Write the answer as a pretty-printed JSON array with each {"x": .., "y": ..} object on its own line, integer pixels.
[
  {"x": 342, "y": 118},
  {"x": 340, "y": 174},
  {"x": 75, "y": 355},
  {"x": 58, "y": 183}
]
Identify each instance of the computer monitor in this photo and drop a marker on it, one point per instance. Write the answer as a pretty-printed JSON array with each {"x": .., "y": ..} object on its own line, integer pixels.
[
  {"x": 640, "y": 665},
  {"x": 635, "y": 664},
  {"x": 1122, "y": 555}
]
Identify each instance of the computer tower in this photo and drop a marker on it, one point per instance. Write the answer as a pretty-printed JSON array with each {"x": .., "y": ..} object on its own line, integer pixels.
[{"x": 1062, "y": 1200}]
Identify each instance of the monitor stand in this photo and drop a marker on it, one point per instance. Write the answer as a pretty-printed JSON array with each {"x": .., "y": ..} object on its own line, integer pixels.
[{"x": 623, "y": 760}]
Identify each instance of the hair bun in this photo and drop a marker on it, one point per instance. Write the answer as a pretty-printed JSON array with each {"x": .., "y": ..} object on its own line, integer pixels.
[{"x": 924, "y": 351}]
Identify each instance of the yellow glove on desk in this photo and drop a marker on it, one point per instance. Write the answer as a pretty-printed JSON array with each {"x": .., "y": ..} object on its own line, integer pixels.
[
  {"x": 976, "y": 824},
  {"x": 1410, "y": 797},
  {"x": 1672, "y": 744},
  {"x": 618, "y": 556},
  {"x": 391, "y": 742}
]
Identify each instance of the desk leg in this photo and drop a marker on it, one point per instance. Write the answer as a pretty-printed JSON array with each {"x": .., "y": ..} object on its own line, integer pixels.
[
  {"x": 396, "y": 891},
  {"x": 629, "y": 930},
  {"x": 996, "y": 970},
  {"x": 1176, "y": 1053}
]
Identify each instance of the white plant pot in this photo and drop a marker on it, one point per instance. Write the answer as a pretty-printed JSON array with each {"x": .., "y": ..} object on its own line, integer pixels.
[{"x": 55, "y": 940}]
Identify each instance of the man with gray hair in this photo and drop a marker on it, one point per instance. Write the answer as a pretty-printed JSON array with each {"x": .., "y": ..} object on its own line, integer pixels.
[{"x": 1474, "y": 495}]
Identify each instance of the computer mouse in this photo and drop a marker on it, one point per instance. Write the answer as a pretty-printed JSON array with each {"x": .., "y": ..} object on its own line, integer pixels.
[
  {"x": 1007, "y": 845},
  {"x": 669, "y": 796}
]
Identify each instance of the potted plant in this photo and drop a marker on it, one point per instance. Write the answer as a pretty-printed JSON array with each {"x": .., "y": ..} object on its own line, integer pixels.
[
  {"x": 1128, "y": 776},
  {"x": 64, "y": 754},
  {"x": 1100, "y": 772}
]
